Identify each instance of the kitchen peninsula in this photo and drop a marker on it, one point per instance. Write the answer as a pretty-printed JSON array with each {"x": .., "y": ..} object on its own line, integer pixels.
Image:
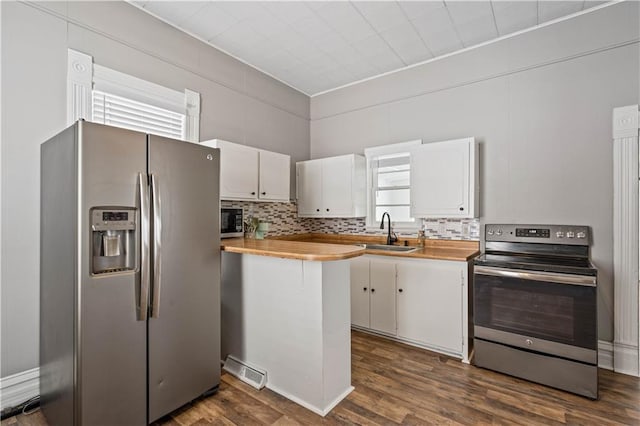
[{"x": 285, "y": 310}]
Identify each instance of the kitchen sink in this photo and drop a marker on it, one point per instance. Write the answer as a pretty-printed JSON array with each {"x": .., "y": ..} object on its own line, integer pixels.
[{"x": 402, "y": 249}]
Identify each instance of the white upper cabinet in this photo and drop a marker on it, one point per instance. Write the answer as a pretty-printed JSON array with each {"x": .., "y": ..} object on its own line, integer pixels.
[
  {"x": 332, "y": 187},
  {"x": 253, "y": 174},
  {"x": 309, "y": 187},
  {"x": 274, "y": 176},
  {"x": 337, "y": 186},
  {"x": 444, "y": 179},
  {"x": 238, "y": 171}
]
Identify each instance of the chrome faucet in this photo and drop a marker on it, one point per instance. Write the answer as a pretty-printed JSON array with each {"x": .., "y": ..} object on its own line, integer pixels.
[{"x": 390, "y": 238}]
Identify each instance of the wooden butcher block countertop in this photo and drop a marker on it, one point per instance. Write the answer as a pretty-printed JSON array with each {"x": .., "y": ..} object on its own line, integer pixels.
[
  {"x": 301, "y": 250},
  {"x": 434, "y": 249},
  {"x": 326, "y": 247}
]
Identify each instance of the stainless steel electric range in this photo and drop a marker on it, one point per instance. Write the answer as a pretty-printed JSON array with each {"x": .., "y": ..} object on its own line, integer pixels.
[{"x": 535, "y": 306}]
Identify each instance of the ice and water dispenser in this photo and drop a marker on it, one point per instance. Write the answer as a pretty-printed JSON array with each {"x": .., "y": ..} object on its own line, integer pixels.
[{"x": 113, "y": 239}]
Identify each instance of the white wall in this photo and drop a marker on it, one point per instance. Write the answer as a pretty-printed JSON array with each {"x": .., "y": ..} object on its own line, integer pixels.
[
  {"x": 541, "y": 105},
  {"x": 238, "y": 104}
]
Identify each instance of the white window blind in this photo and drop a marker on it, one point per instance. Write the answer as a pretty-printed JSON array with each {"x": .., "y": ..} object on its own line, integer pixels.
[
  {"x": 118, "y": 111},
  {"x": 389, "y": 180}
]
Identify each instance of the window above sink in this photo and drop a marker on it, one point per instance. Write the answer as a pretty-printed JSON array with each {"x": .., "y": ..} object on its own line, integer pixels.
[{"x": 388, "y": 184}]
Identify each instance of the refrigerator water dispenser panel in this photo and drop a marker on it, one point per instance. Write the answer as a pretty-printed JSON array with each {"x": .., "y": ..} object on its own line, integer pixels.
[{"x": 113, "y": 239}]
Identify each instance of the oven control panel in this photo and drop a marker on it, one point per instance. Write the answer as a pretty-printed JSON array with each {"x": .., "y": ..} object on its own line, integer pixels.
[
  {"x": 533, "y": 232},
  {"x": 547, "y": 234}
]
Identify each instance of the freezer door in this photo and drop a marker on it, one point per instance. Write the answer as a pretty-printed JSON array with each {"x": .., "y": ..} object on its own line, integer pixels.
[
  {"x": 184, "y": 325},
  {"x": 112, "y": 347}
]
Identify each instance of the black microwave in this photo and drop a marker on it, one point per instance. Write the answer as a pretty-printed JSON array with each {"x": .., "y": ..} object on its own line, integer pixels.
[{"x": 231, "y": 223}]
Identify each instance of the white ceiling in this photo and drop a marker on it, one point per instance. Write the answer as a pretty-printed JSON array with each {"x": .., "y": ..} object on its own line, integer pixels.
[{"x": 315, "y": 46}]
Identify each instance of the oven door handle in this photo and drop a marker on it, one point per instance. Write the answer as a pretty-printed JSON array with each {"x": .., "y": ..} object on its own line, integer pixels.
[{"x": 551, "y": 277}]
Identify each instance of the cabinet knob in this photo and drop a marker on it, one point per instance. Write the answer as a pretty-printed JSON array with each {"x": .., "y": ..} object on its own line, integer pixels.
[
  {"x": 317, "y": 210},
  {"x": 264, "y": 193},
  {"x": 461, "y": 208},
  {"x": 373, "y": 290},
  {"x": 364, "y": 288},
  {"x": 327, "y": 209},
  {"x": 400, "y": 290},
  {"x": 253, "y": 193}
]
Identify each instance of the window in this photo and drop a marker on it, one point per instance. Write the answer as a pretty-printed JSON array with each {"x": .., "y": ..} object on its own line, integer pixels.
[
  {"x": 388, "y": 184},
  {"x": 106, "y": 96}
]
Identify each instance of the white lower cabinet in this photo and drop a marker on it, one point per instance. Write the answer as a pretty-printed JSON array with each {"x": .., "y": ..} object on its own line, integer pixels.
[
  {"x": 430, "y": 299},
  {"x": 382, "y": 303},
  {"x": 421, "y": 301},
  {"x": 360, "y": 290},
  {"x": 373, "y": 286}
]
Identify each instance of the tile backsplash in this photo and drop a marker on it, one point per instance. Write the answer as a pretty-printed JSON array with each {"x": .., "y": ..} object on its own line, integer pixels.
[
  {"x": 283, "y": 220},
  {"x": 282, "y": 217}
]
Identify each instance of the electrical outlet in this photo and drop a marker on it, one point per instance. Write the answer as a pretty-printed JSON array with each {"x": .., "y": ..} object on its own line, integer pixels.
[{"x": 465, "y": 229}]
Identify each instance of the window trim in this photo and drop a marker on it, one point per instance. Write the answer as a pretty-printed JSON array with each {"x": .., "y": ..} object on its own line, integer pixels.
[
  {"x": 626, "y": 247},
  {"x": 83, "y": 76},
  {"x": 370, "y": 154},
  {"x": 130, "y": 87}
]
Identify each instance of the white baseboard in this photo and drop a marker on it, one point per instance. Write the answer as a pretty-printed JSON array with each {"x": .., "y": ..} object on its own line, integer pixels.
[
  {"x": 625, "y": 359},
  {"x": 19, "y": 387},
  {"x": 605, "y": 355},
  {"x": 336, "y": 401},
  {"x": 320, "y": 411}
]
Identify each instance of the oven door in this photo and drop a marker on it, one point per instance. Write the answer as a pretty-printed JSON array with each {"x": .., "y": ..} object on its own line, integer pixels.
[{"x": 540, "y": 311}]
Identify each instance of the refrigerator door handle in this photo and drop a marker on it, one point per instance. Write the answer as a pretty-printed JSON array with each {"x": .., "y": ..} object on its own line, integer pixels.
[
  {"x": 144, "y": 246},
  {"x": 157, "y": 247}
]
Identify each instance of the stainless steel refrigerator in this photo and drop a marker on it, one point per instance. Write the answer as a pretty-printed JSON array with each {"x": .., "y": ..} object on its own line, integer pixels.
[{"x": 129, "y": 275}]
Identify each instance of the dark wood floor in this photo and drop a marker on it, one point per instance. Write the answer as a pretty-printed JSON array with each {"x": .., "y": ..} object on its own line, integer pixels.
[{"x": 399, "y": 384}]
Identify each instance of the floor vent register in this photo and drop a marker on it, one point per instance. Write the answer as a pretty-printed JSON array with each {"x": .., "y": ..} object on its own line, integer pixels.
[{"x": 248, "y": 374}]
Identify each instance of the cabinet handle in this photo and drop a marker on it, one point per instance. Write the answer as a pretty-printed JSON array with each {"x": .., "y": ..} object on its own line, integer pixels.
[
  {"x": 327, "y": 209},
  {"x": 400, "y": 290},
  {"x": 264, "y": 193},
  {"x": 364, "y": 288},
  {"x": 373, "y": 290},
  {"x": 317, "y": 210},
  {"x": 253, "y": 193},
  {"x": 461, "y": 208}
]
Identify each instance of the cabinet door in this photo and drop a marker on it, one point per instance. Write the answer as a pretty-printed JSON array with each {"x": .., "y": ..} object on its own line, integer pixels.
[
  {"x": 309, "y": 187},
  {"x": 430, "y": 302},
  {"x": 382, "y": 279},
  {"x": 275, "y": 175},
  {"x": 360, "y": 291},
  {"x": 238, "y": 171},
  {"x": 337, "y": 197},
  {"x": 440, "y": 179}
]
